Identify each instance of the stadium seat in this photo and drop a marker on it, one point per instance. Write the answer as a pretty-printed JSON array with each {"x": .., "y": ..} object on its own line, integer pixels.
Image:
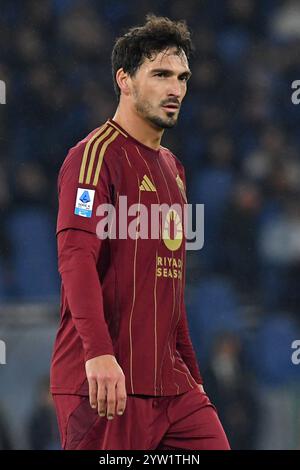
[
  {"x": 271, "y": 350},
  {"x": 215, "y": 308},
  {"x": 32, "y": 235}
]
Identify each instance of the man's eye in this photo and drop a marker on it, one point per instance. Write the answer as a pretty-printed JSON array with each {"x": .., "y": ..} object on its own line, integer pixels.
[{"x": 160, "y": 74}]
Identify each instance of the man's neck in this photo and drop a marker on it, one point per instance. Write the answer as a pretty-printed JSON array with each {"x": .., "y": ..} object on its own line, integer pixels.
[{"x": 138, "y": 128}]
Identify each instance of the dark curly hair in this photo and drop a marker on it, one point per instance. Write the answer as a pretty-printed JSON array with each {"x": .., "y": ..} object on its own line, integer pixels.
[{"x": 140, "y": 42}]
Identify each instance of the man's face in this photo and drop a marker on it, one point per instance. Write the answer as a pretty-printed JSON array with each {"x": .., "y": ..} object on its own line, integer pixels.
[{"x": 159, "y": 86}]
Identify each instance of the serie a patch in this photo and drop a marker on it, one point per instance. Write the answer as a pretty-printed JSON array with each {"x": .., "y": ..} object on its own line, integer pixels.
[{"x": 84, "y": 202}]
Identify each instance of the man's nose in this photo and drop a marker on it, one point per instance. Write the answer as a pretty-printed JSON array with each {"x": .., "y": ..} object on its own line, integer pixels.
[{"x": 174, "y": 88}]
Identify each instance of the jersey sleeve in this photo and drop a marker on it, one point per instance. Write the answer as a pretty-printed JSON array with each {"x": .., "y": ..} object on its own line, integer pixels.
[
  {"x": 77, "y": 256},
  {"x": 185, "y": 347},
  {"x": 84, "y": 183},
  {"x": 184, "y": 344}
]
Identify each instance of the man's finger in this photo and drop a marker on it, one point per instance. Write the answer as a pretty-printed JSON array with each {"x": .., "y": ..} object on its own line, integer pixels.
[
  {"x": 93, "y": 392},
  {"x": 101, "y": 399},
  {"x": 111, "y": 400},
  {"x": 121, "y": 397}
]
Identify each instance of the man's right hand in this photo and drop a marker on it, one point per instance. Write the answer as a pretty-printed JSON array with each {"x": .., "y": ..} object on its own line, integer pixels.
[{"x": 107, "y": 389}]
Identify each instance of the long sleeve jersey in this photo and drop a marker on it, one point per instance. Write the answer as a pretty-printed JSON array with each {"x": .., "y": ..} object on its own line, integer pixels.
[{"x": 122, "y": 290}]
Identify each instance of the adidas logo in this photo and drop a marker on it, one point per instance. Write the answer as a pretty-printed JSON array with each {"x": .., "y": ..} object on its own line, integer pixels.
[{"x": 147, "y": 185}]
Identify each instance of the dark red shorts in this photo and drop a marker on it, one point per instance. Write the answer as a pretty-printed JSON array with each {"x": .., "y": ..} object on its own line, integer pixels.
[{"x": 187, "y": 422}]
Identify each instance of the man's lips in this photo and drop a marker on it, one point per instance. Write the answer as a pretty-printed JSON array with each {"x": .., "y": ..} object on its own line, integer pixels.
[{"x": 171, "y": 106}]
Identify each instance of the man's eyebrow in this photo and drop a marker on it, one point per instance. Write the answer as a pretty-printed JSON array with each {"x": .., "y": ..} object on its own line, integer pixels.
[{"x": 186, "y": 73}]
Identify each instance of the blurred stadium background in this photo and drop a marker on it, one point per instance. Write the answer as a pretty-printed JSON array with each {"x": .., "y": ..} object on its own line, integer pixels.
[{"x": 239, "y": 139}]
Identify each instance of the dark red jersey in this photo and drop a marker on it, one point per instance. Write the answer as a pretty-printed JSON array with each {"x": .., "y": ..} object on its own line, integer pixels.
[{"x": 122, "y": 295}]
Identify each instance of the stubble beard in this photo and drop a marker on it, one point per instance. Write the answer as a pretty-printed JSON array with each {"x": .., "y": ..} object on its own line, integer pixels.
[{"x": 144, "y": 109}]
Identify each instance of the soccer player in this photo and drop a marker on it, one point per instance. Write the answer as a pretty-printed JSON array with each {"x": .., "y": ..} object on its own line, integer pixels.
[{"x": 124, "y": 373}]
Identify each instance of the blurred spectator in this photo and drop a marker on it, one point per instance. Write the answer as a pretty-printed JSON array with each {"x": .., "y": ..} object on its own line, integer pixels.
[
  {"x": 285, "y": 23},
  {"x": 259, "y": 163},
  {"x": 43, "y": 430},
  {"x": 238, "y": 256},
  {"x": 5, "y": 440},
  {"x": 279, "y": 248},
  {"x": 217, "y": 174},
  {"x": 31, "y": 186},
  {"x": 231, "y": 389}
]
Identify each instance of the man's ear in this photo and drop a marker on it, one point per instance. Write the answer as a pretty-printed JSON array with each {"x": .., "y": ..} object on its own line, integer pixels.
[{"x": 123, "y": 81}]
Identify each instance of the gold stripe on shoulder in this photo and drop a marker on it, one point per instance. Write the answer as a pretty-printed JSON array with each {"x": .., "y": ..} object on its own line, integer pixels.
[
  {"x": 93, "y": 153},
  {"x": 101, "y": 155},
  {"x": 86, "y": 152},
  {"x": 117, "y": 129}
]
